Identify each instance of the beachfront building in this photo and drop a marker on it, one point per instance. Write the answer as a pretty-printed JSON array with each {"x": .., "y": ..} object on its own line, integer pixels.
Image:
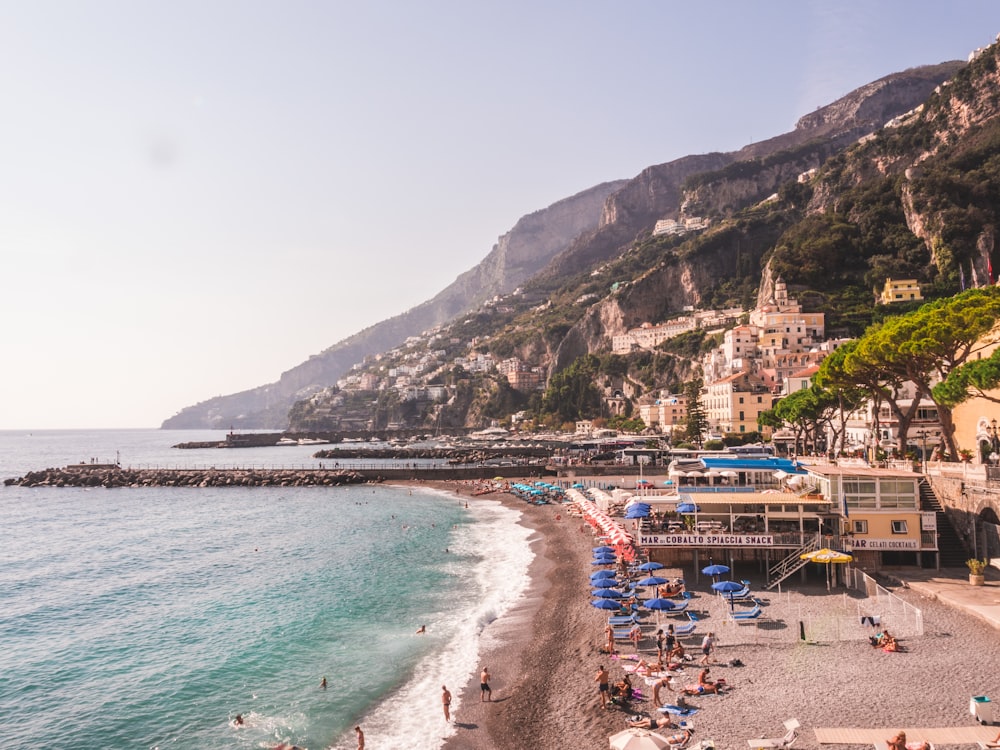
[{"x": 774, "y": 510}]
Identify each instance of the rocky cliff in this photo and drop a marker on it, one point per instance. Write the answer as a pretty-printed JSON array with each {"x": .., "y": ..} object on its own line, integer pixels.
[{"x": 600, "y": 224}]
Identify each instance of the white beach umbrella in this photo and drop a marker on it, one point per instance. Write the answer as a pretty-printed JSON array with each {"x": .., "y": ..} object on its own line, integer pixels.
[{"x": 638, "y": 739}]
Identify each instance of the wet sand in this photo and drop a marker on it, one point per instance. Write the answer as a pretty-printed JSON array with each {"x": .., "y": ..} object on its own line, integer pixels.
[{"x": 546, "y": 654}]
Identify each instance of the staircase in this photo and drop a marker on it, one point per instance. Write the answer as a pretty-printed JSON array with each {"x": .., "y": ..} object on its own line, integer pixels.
[
  {"x": 781, "y": 570},
  {"x": 951, "y": 550}
]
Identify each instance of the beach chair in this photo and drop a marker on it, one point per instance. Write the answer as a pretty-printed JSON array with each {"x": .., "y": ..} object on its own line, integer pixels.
[
  {"x": 620, "y": 620},
  {"x": 685, "y": 629},
  {"x": 785, "y": 741},
  {"x": 750, "y": 614},
  {"x": 679, "y": 608},
  {"x": 693, "y": 616}
]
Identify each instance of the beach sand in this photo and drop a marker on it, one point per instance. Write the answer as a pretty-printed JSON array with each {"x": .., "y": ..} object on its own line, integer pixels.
[{"x": 545, "y": 656}]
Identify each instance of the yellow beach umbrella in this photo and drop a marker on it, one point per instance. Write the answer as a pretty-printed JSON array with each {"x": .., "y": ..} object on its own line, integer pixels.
[{"x": 827, "y": 557}]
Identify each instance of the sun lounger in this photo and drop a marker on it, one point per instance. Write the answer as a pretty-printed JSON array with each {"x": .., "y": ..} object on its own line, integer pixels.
[
  {"x": 750, "y": 614},
  {"x": 693, "y": 616},
  {"x": 741, "y": 594},
  {"x": 678, "y": 609},
  {"x": 623, "y": 620},
  {"x": 778, "y": 742},
  {"x": 686, "y": 629},
  {"x": 623, "y": 634}
]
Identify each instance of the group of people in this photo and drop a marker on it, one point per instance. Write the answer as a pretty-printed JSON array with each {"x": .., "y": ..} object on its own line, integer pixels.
[{"x": 884, "y": 641}]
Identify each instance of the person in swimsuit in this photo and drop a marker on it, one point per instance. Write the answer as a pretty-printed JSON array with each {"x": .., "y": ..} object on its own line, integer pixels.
[
  {"x": 602, "y": 685},
  {"x": 484, "y": 686},
  {"x": 639, "y": 722},
  {"x": 361, "y": 738},
  {"x": 446, "y": 702}
]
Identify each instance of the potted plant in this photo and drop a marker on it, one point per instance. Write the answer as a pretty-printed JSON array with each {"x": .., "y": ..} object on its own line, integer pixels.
[
  {"x": 976, "y": 568},
  {"x": 966, "y": 455}
]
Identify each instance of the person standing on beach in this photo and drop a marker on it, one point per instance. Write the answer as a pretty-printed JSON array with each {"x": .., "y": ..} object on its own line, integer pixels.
[
  {"x": 484, "y": 686},
  {"x": 661, "y": 641},
  {"x": 446, "y": 702},
  {"x": 610, "y": 633},
  {"x": 361, "y": 738},
  {"x": 663, "y": 682},
  {"x": 602, "y": 685},
  {"x": 707, "y": 646}
]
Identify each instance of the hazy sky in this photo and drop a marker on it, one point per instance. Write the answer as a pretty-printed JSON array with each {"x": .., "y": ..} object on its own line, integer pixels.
[{"x": 197, "y": 196}]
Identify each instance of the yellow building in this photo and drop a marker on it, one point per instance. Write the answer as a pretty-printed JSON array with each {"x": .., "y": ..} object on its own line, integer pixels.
[
  {"x": 882, "y": 522},
  {"x": 900, "y": 290}
]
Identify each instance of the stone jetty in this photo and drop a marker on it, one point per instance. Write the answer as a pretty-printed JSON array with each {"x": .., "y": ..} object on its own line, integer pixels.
[{"x": 102, "y": 475}]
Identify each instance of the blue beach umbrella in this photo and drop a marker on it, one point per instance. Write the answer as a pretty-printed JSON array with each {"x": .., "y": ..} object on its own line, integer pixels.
[
  {"x": 635, "y": 512},
  {"x": 606, "y": 573},
  {"x": 688, "y": 508},
  {"x": 651, "y": 581},
  {"x": 659, "y": 604},
  {"x": 651, "y": 566},
  {"x": 605, "y": 548},
  {"x": 607, "y": 594},
  {"x": 715, "y": 570},
  {"x": 606, "y": 604},
  {"x": 728, "y": 587}
]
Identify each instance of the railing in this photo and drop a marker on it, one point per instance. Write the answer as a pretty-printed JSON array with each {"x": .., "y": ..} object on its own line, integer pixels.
[
  {"x": 792, "y": 562},
  {"x": 880, "y": 603}
]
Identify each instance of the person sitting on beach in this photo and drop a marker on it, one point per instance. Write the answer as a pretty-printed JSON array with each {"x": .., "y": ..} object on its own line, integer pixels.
[
  {"x": 677, "y": 653},
  {"x": 896, "y": 742},
  {"x": 622, "y": 691},
  {"x": 635, "y": 635}
]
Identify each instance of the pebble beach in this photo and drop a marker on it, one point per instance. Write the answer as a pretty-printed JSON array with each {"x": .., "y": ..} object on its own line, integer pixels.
[{"x": 544, "y": 655}]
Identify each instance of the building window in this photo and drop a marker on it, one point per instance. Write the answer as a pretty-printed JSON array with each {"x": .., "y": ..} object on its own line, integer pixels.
[
  {"x": 860, "y": 527},
  {"x": 899, "y": 527}
]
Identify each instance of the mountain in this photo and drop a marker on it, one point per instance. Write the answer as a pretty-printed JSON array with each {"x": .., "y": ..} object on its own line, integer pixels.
[
  {"x": 516, "y": 257},
  {"x": 596, "y": 226}
]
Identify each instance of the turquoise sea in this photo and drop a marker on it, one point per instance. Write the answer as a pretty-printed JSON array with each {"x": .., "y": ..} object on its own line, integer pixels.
[{"x": 149, "y": 618}]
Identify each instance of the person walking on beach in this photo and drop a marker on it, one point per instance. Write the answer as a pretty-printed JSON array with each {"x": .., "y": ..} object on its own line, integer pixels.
[
  {"x": 446, "y": 703},
  {"x": 361, "y": 738},
  {"x": 484, "y": 686},
  {"x": 602, "y": 685},
  {"x": 707, "y": 646}
]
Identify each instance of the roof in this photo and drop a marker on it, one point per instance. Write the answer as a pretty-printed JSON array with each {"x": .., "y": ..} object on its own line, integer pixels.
[
  {"x": 859, "y": 471},
  {"x": 772, "y": 497},
  {"x": 753, "y": 464}
]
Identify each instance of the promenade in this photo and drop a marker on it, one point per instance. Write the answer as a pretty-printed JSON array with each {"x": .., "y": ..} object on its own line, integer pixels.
[{"x": 951, "y": 587}]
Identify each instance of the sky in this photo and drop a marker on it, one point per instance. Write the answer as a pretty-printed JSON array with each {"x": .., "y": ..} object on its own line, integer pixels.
[{"x": 197, "y": 195}]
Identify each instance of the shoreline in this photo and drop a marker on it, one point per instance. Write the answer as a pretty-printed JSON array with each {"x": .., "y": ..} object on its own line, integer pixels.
[{"x": 543, "y": 655}]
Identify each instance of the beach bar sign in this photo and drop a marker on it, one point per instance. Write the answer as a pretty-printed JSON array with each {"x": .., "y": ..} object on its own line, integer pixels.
[{"x": 706, "y": 540}]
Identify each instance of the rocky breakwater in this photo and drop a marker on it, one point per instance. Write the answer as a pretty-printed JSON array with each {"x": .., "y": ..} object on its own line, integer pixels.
[{"x": 113, "y": 476}]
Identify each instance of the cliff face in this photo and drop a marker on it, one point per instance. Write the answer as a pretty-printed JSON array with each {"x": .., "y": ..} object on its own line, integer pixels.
[
  {"x": 599, "y": 224},
  {"x": 517, "y": 255}
]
